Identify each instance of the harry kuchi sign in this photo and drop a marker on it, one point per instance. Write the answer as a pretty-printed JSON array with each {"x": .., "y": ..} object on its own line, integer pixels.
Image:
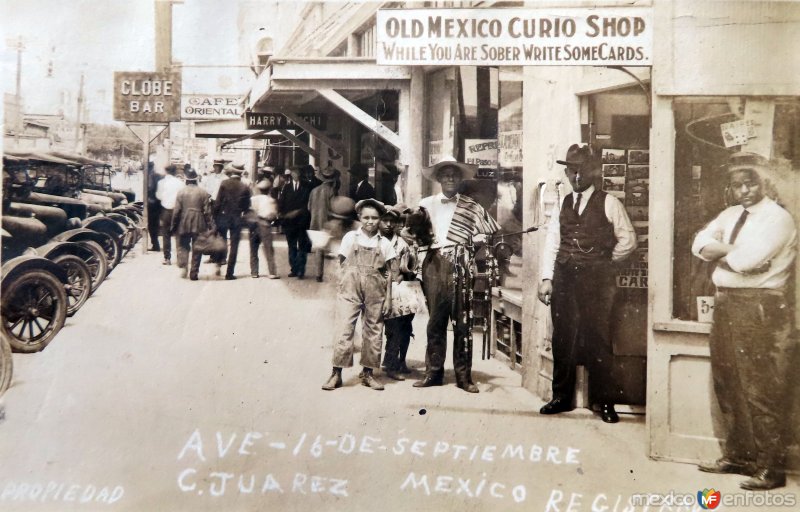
[
  {"x": 516, "y": 37},
  {"x": 147, "y": 97},
  {"x": 274, "y": 121}
]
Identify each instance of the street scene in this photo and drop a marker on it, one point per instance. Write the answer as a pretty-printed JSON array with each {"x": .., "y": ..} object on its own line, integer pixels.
[{"x": 322, "y": 255}]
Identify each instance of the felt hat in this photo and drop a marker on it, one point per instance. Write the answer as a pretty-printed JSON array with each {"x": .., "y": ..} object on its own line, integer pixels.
[
  {"x": 235, "y": 169},
  {"x": 219, "y": 161},
  {"x": 374, "y": 203},
  {"x": 748, "y": 161},
  {"x": 342, "y": 207},
  {"x": 578, "y": 155},
  {"x": 190, "y": 174},
  {"x": 327, "y": 175},
  {"x": 467, "y": 170}
]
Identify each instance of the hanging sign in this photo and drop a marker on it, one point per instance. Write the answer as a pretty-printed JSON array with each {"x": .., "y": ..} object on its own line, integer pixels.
[
  {"x": 516, "y": 37},
  {"x": 211, "y": 106},
  {"x": 274, "y": 121},
  {"x": 147, "y": 97}
]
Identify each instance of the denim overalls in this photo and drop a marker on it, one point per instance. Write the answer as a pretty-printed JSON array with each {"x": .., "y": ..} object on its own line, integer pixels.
[{"x": 362, "y": 290}]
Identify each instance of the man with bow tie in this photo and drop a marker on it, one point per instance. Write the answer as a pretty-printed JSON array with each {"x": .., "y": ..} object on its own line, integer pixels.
[
  {"x": 457, "y": 219},
  {"x": 753, "y": 244},
  {"x": 587, "y": 234}
]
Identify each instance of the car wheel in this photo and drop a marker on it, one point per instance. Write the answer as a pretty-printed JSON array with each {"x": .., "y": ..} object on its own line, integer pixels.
[
  {"x": 97, "y": 263},
  {"x": 79, "y": 281},
  {"x": 33, "y": 311},
  {"x": 113, "y": 250},
  {"x": 6, "y": 364}
]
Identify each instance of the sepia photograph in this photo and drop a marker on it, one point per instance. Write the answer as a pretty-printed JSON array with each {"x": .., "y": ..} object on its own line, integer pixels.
[{"x": 329, "y": 255}]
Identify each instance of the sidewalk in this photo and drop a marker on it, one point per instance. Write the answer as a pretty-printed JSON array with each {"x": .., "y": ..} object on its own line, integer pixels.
[{"x": 206, "y": 396}]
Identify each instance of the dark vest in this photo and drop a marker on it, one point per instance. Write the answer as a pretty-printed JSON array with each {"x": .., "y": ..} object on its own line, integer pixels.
[{"x": 586, "y": 238}]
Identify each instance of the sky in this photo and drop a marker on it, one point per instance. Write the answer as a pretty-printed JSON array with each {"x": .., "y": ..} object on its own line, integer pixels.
[{"x": 98, "y": 37}]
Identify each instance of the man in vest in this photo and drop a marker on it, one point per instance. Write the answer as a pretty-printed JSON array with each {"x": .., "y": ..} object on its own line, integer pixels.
[{"x": 586, "y": 235}]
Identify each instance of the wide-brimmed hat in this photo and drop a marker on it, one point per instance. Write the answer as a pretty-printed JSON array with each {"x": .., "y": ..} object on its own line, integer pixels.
[
  {"x": 374, "y": 203},
  {"x": 578, "y": 155},
  {"x": 190, "y": 174},
  {"x": 748, "y": 161},
  {"x": 263, "y": 185},
  {"x": 234, "y": 169},
  {"x": 220, "y": 161},
  {"x": 327, "y": 175},
  {"x": 467, "y": 170}
]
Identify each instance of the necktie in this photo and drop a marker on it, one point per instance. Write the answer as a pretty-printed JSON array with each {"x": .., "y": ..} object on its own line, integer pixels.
[
  {"x": 578, "y": 203},
  {"x": 446, "y": 200},
  {"x": 738, "y": 226}
]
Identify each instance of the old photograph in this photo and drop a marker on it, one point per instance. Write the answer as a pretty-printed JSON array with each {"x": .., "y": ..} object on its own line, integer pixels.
[{"x": 354, "y": 255}]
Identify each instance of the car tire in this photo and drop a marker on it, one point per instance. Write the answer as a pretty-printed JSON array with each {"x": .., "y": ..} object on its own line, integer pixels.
[
  {"x": 79, "y": 281},
  {"x": 6, "y": 365},
  {"x": 39, "y": 290},
  {"x": 97, "y": 263}
]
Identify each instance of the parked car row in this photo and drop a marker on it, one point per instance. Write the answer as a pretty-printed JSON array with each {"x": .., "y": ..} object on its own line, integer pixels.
[{"x": 63, "y": 232}]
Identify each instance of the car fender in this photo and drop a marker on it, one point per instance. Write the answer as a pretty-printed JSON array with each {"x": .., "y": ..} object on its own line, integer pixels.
[
  {"x": 55, "y": 249},
  {"x": 27, "y": 262}
]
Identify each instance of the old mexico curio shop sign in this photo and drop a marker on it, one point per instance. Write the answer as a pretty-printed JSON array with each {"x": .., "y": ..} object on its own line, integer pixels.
[
  {"x": 147, "y": 97},
  {"x": 515, "y": 37}
]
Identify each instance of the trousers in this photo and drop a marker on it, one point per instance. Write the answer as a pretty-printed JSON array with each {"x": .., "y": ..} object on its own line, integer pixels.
[
  {"x": 581, "y": 310},
  {"x": 438, "y": 286},
  {"x": 299, "y": 245},
  {"x": 261, "y": 234},
  {"x": 185, "y": 246},
  {"x": 166, "y": 232},
  {"x": 362, "y": 290},
  {"x": 230, "y": 228},
  {"x": 752, "y": 347},
  {"x": 153, "y": 224},
  {"x": 398, "y": 336}
]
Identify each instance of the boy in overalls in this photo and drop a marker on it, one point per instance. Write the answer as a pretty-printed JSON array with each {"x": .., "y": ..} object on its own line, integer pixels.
[{"x": 364, "y": 289}]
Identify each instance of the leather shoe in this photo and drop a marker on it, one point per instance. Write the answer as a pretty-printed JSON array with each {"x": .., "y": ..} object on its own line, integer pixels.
[
  {"x": 292, "y": 274},
  {"x": 334, "y": 381},
  {"x": 469, "y": 387},
  {"x": 405, "y": 369},
  {"x": 371, "y": 382},
  {"x": 428, "y": 382},
  {"x": 230, "y": 278},
  {"x": 556, "y": 406},
  {"x": 608, "y": 413},
  {"x": 394, "y": 375},
  {"x": 725, "y": 465},
  {"x": 764, "y": 479}
]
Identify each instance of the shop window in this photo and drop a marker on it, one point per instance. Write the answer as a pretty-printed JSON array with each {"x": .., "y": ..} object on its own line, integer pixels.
[{"x": 704, "y": 140}]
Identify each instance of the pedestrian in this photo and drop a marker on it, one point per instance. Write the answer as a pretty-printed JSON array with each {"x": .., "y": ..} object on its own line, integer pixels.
[
  {"x": 364, "y": 290},
  {"x": 319, "y": 204},
  {"x": 233, "y": 199},
  {"x": 191, "y": 217},
  {"x": 295, "y": 217},
  {"x": 166, "y": 192},
  {"x": 458, "y": 221},
  {"x": 753, "y": 244},
  {"x": 588, "y": 233},
  {"x": 211, "y": 185},
  {"x": 407, "y": 297},
  {"x": 264, "y": 212},
  {"x": 153, "y": 208},
  {"x": 360, "y": 187}
]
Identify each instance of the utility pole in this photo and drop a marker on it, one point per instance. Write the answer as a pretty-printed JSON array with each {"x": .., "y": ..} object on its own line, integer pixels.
[{"x": 79, "y": 119}]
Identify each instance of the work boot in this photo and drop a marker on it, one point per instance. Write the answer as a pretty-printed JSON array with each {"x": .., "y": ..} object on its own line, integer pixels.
[
  {"x": 765, "y": 479},
  {"x": 334, "y": 381},
  {"x": 370, "y": 381},
  {"x": 392, "y": 374}
]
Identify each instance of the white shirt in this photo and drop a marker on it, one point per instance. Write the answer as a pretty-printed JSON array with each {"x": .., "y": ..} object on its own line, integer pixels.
[
  {"x": 357, "y": 236},
  {"x": 211, "y": 185},
  {"x": 616, "y": 215},
  {"x": 265, "y": 206},
  {"x": 167, "y": 191},
  {"x": 768, "y": 235},
  {"x": 441, "y": 215}
]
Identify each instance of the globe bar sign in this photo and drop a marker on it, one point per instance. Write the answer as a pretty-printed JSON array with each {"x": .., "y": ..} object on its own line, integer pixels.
[{"x": 147, "y": 97}]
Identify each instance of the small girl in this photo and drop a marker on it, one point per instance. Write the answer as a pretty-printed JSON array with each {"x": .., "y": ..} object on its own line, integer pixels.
[{"x": 364, "y": 290}]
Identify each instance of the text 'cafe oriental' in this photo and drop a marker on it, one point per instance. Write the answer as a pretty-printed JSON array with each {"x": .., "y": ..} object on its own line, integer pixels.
[{"x": 653, "y": 87}]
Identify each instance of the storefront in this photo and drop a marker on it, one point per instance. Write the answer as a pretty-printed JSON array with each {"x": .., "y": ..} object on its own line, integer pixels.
[{"x": 659, "y": 126}]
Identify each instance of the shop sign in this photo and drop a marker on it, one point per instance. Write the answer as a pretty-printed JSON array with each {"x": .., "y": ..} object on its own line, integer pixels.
[
  {"x": 274, "y": 121},
  {"x": 144, "y": 97},
  {"x": 211, "y": 106},
  {"x": 516, "y": 37},
  {"x": 509, "y": 145},
  {"x": 481, "y": 152},
  {"x": 435, "y": 151}
]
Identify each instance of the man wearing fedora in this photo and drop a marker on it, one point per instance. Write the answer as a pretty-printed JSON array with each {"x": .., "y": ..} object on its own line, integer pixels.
[
  {"x": 167, "y": 192},
  {"x": 319, "y": 204},
  {"x": 293, "y": 206},
  {"x": 588, "y": 232},
  {"x": 360, "y": 187},
  {"x": 457, "y": 219},
  {"x": 233, "y": 200},
  {"x": 191, "y": 217},
  {"x": 754, "y": 246}
]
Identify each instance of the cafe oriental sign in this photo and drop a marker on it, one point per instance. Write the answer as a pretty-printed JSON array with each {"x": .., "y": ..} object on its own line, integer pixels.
[
  {"x": 147, "y": 97},
  {"x": 516, "y": 37}
]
